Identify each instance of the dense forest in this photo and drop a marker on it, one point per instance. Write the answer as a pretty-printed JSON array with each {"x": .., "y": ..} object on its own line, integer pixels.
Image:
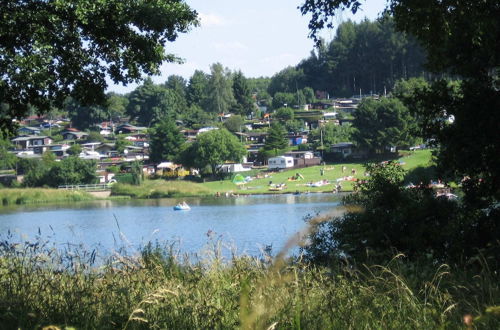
[{"x": 367, "y": 57}]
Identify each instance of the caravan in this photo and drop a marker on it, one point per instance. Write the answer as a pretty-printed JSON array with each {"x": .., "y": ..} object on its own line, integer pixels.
[{"x": 280, "y": 162}]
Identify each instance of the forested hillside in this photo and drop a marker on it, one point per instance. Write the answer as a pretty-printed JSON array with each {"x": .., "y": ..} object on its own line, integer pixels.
[{"x": 367, "y": 57}]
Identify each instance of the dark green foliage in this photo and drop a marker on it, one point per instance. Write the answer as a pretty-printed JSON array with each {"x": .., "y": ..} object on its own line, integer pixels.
[
  {"x": 421, "y": 175},
  {"x": 69, "y": 171},
  {"x": 195, "y": 116},
  {"x": 7, "y": 159},
  {"x": 383, "y": 123},
  {"x": 84, "y": 117},
  {"x": 196, "y": 89},
  {"x": 212, "y": 149},
  {"x": 281, "y": 99},
  {"x": 284, "y": 114},
  {"x": 294, "y": 126},
  {"x": 329, "y": 134},
  {"x": 136, "y": 172},
  {"x": 460, "y": 36},
  {"x": 469, "y": 144},
  {"x": 384, "y": 218},
  {"x": 116, "y": 106},
  {"x": 244, "y": 103},
  {"x": 95, "y": 136},
  {"x": 347, "y": 65},
  {"x": 258, "y": 85},
  {"x": 219, "y": 92},
  {"x": 74, "y": 150},
  {"x": 166, "y": 140},
  {"x": 234, "y": 123},
  {"x": 66, "y": 48},
  {"x": 406, "y": 90},
  {"x": 150, "y": 103},
  {"x": 177, "y": 85},
  {"x": 276, "y": 138},
  {"x": 287, "y": 80},
  {"x": 121, "y": 143}
]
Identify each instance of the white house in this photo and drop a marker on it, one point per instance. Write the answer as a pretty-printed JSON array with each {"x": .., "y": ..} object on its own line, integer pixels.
[{"x": 280, "y": 162}]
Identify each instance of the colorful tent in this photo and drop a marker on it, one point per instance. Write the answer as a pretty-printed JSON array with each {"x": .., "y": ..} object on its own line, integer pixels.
[{"x": 238, "y": 179}]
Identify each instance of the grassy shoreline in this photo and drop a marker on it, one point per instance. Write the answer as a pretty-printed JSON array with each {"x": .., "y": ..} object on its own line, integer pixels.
[
  {"x": 179, "y": 188},
  {"x": 23, "y": 196}
]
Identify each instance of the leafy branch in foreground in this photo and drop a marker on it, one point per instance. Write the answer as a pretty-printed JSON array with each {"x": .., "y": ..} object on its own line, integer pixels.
[{"x": 68, "y": 48}]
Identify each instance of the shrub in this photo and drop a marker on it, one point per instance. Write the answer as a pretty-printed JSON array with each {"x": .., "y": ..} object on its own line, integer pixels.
[{"x": 384, "y": 217}]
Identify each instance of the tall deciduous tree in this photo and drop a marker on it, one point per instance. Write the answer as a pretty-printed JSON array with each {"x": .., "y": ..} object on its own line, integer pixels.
[
  {"x": 68, "y": 48},
  {"x": 220, "y": 96},
  {"x": 166, "y": 141},
  {"x": 116, "y": 105},
  {"x": 84, "y": 117},
  {"x": 149, "y": 103},
  {"x": 197, "y": 88},
  {"x": 287, "y": 80},
  {"x": 177, "y": 86},
  {"x": 212, "y": 149},
  {"x": 234, "y": 123},
  {"x": 383, "y": 123}
]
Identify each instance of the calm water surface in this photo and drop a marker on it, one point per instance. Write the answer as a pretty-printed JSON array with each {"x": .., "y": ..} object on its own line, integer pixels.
[{"x": 246, "y": 223}]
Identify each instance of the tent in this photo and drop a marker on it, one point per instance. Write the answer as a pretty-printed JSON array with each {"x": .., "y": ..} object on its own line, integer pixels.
[{"x": 238, "y": 179}]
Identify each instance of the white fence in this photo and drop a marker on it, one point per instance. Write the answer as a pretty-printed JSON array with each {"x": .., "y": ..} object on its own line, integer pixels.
[{"x": 87, "y": 187}]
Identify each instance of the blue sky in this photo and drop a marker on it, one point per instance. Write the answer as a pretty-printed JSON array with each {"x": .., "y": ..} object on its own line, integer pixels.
[{"x": 259, "y": 37}]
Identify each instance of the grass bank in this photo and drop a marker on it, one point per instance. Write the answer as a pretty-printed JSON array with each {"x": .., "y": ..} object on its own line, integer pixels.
[
  {"x": 160, "y": 189},
  {"x": 157, "y": 290},
  {"x": 331, "y": 173},
  {"x": 20, "y": 196}
]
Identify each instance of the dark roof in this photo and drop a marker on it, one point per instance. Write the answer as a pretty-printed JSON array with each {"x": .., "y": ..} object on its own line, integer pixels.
[
  {"x": 343, "y": 145},
  {"x": 28, "y": 137}
]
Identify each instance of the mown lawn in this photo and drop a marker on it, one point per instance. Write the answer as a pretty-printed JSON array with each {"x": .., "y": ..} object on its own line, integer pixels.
[{"x": 332, "y": 172}]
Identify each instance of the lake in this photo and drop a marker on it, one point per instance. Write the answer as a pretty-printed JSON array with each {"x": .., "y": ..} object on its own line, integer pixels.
[{"x": 246, "y": 223}]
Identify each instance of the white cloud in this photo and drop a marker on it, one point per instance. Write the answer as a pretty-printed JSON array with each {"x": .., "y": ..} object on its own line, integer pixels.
[{"x": 210, "y": 20}]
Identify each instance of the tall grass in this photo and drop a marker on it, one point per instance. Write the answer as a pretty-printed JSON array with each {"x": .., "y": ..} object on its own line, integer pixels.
[
  {"x": 160, "y": 189},
  {"x": 41, "y": 285},
  {"x": 21, "y": 196}
]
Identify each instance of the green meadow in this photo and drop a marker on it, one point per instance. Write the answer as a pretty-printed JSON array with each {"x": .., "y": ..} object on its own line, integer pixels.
[{"x": 331, "y": 172}]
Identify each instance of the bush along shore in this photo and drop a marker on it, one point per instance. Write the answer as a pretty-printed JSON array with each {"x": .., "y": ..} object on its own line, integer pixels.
[
  {"x": 42, "y": 286},
  {"x": 21, "y": 196}
]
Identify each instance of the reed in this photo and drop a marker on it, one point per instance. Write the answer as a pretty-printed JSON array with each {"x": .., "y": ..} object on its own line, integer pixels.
[{"x": 159, "y": 288}]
